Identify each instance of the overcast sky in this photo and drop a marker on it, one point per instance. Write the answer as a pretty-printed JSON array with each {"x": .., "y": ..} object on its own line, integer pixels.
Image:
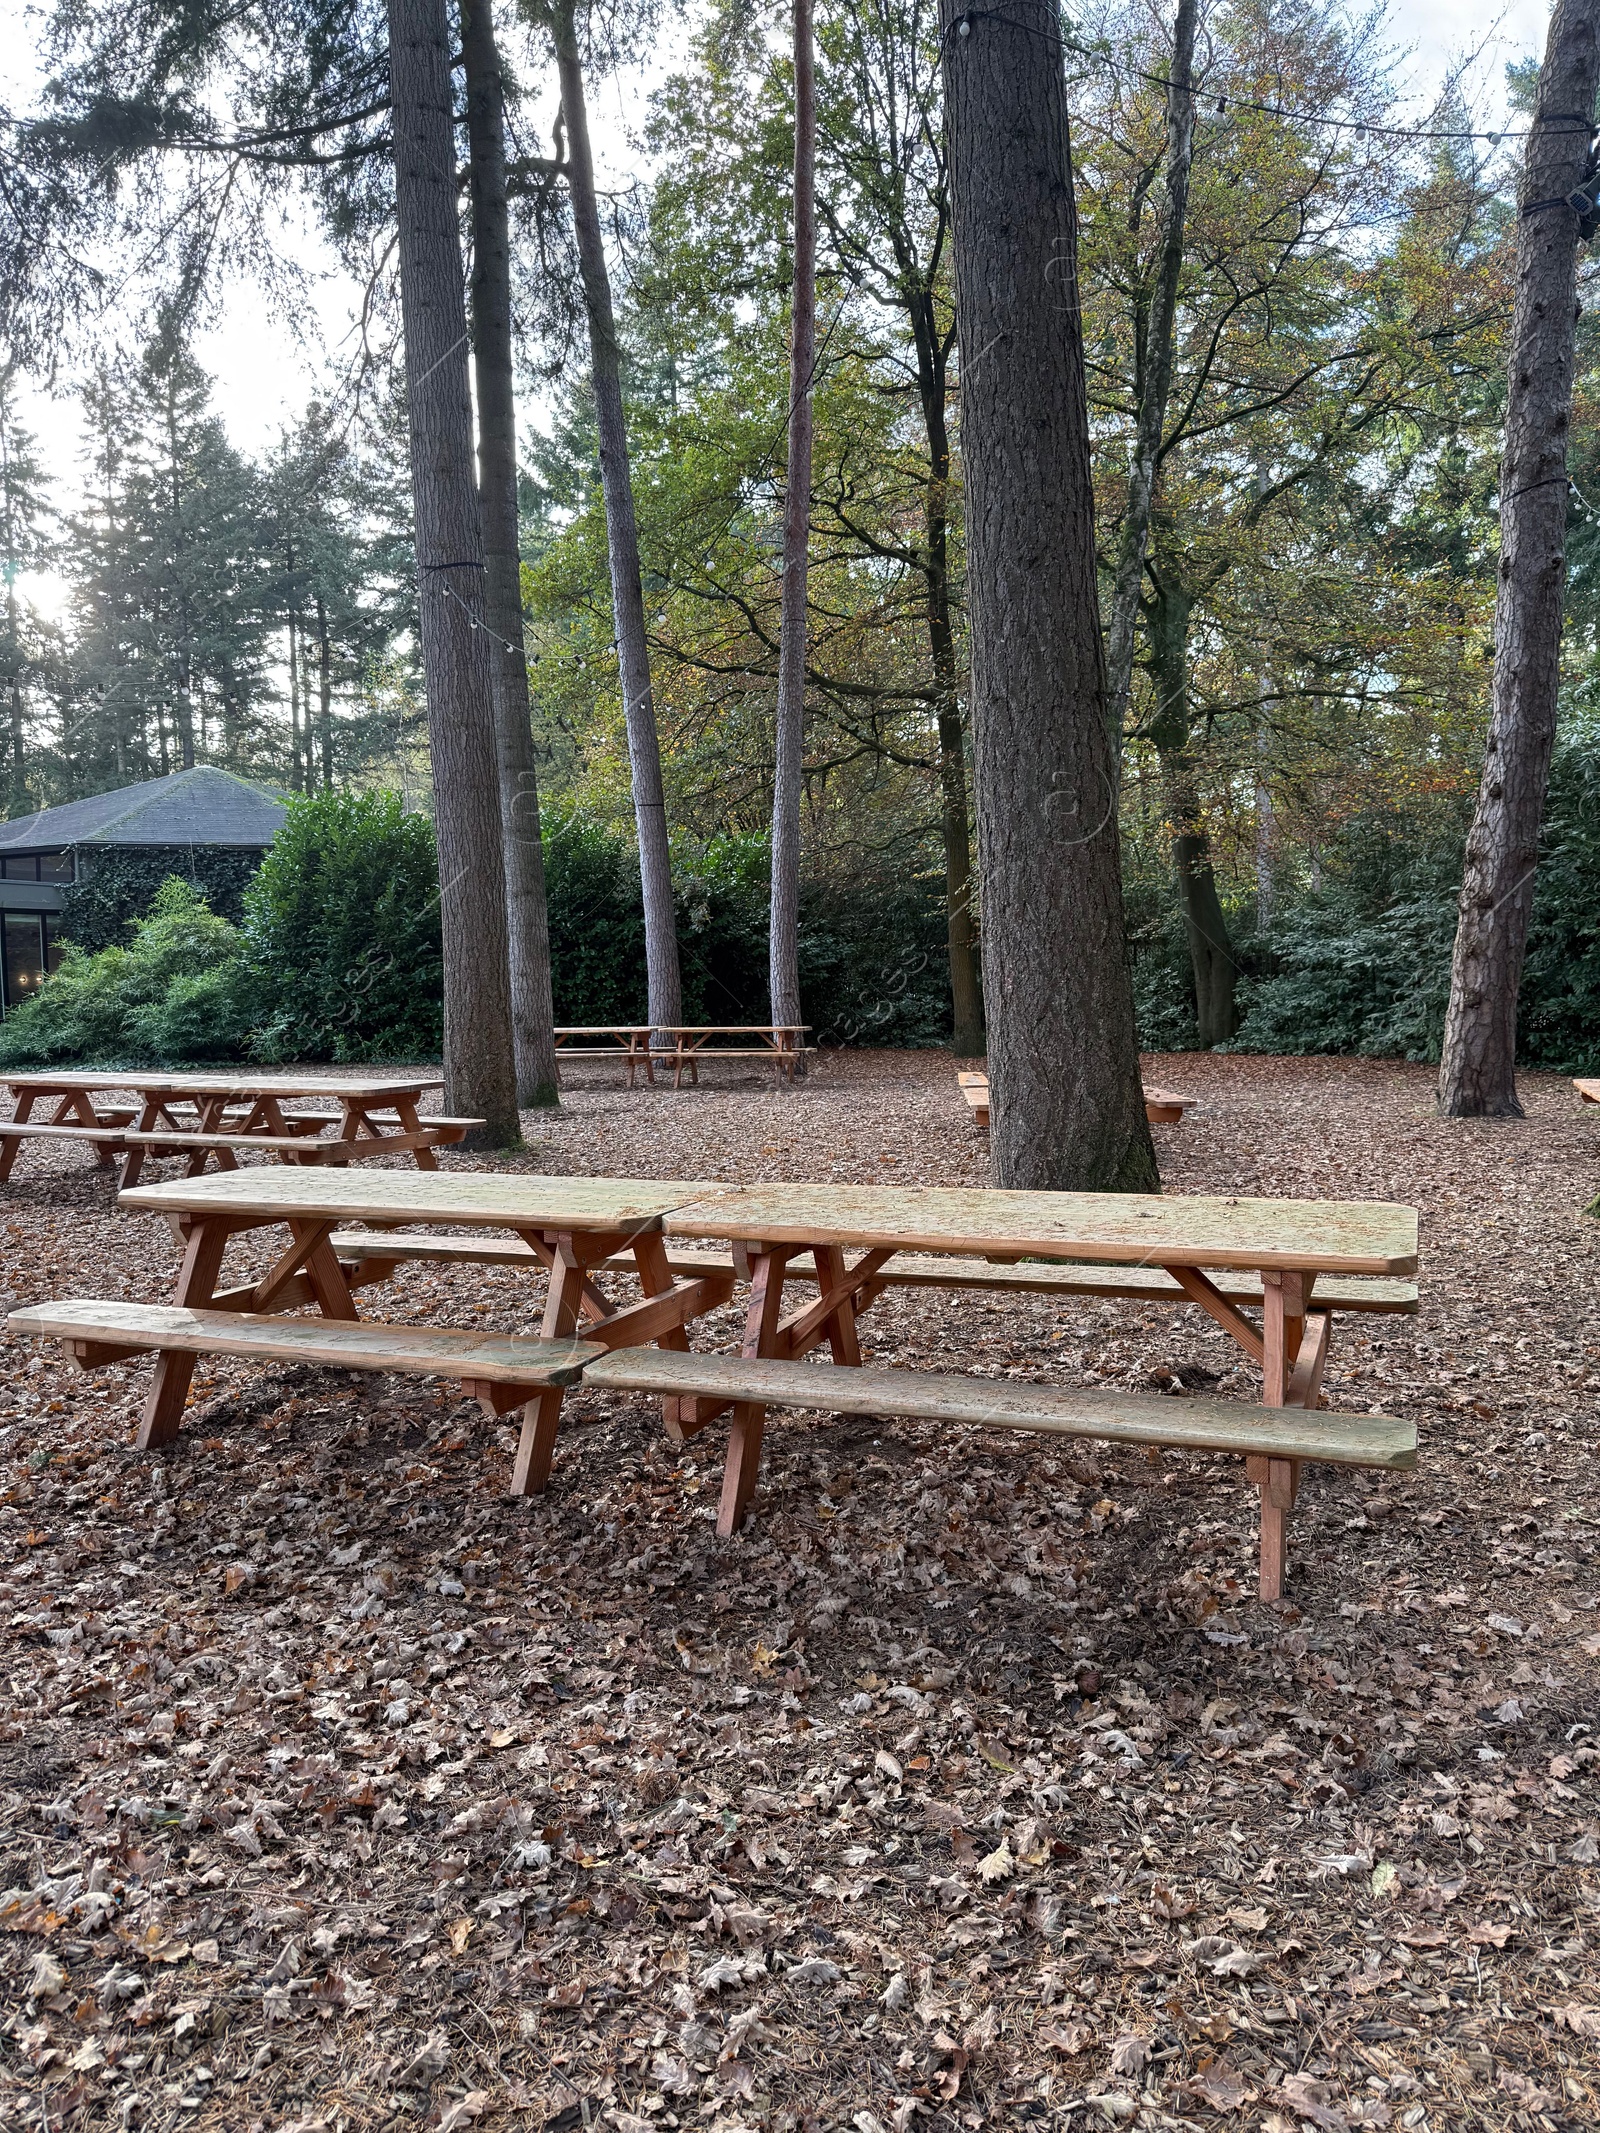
[{"x": 264, "y": 374}]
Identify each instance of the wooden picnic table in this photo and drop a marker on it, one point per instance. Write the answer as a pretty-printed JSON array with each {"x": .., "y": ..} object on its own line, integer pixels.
[
  {"x": 575, "y": 1228},
  {"x": 201, "y": 1116},
  {"x": 685, "y": 1044}
]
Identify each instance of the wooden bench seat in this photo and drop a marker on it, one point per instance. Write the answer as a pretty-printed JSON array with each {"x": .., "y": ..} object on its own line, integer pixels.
[
  {"x": 1274, "y": 1441},
  {"x": 501, "y": 1371},
  {"x": 110, "y": 1129},
  {"x": 370, "y": 1251}
]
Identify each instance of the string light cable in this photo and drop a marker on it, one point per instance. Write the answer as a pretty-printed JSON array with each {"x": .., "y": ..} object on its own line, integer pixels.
[{"x": 961, "y": 26}]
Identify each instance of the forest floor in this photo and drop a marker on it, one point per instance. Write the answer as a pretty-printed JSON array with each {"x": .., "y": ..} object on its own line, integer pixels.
[{"x": 970, "y": 1785}]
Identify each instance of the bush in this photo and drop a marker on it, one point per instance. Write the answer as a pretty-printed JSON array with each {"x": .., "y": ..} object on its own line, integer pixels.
[
  {"x": 117, "y": 886},
  {"x": 178, "y": 992},
  {"x": 341, "y": 934}
]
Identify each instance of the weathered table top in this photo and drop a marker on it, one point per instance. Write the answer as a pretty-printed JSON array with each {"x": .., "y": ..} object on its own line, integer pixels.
[
  {"x": 1325, "y": 1236},
  {"x": 64, "y": 1081},
  {"x": 1328, "y": 1236},
  {"x": 473, "y": 1198}
]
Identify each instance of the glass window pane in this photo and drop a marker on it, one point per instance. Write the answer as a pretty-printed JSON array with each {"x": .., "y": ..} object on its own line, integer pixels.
[
  {"x": 55, "y": 866},
  {"x": 24, "y": 961},
  {"x": 19, "y": 869},
  {"x": 52, "y": 941}
]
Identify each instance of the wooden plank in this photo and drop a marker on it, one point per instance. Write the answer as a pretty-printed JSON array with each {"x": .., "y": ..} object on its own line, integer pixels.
[
  {"x": 1161, "y": 1106},
  {"x": 345, "y": 1344},
  {"x": 1588, "y": 1090},
  {"x": 1198, "y": 1288},
  {"x": 1333, "y": 1236},
  {"x": 1029, "y": 1277},
  {"x": 37, "y": 1130},
  {"x": 242, "y": 1088},
  {"x": 987, "y": 1403},
  {"x": 467, "y": 1198}
]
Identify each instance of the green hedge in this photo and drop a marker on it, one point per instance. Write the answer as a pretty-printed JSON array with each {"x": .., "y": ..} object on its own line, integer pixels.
[{"x": 117, "y": 885}]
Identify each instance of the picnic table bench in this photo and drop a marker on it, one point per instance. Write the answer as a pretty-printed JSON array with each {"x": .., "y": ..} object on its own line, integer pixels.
[
  {"x": 681, "y": 1045},
  {"x": 201, "y": 1116},
  {"x": 1299, "y": 1259},
  {"x": 1161, "y": 1106}
]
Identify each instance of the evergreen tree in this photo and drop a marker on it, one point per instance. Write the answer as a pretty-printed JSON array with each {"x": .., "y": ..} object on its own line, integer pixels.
[{"x": 24, "y": 511}]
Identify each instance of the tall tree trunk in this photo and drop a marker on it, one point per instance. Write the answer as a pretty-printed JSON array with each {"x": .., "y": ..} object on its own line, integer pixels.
[
  {"x": 1477, "y": 1073},
  {"x": 1064, "y": 1064},
  {"x": 783, "y": 936},
  {"x": 527, "y": 920},
  {"x": 17, "y": 803},
  {"x": 966, "y": 1004},
  {"x": 1153, "y": 372},
  {"x": 622, "y": 536},
  {"x": 480, "y": 1071},
  {"x": 1204, "y": 923},
  {"x": 296, "y": 782},
  {"x": 324, "y": 694}
]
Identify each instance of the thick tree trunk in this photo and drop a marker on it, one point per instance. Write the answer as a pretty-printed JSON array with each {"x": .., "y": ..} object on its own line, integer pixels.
[
  {"x": 1064, "y": 1066},
  {"x": 480, "y": 1073},
  {"x": 622, "y": 535},
  {"x": 783, "y": 941},
  {"x": 1153, "y": 340},
  {"x": 527, "y": 919},
  {"x": 1477, "y": 1073},
  {"x": 1204, "y": 923}
]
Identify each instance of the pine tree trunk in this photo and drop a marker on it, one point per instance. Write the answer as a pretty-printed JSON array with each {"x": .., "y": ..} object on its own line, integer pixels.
[
  {"x": 966, "y": 1002},
  {"x": 480, "y": 1072},
  {"x": 1205, "y": 924},
  {"x": 1154, "y": 351},
  {"x": 1064, "y": 1066},
  {"x": 1477, "y": 1073},
  {"x": 325, "y": 693},
  {"x": 533, "y": 1013},
  {"x": 784, "y": 922},
  {"x": 622, "y": 535}
]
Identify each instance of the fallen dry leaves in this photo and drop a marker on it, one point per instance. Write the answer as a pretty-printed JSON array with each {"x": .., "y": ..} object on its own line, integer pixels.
[{"x": 971, "y": 1785}]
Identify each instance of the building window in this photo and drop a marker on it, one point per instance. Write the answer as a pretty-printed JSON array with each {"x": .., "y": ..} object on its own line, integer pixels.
[
  {"x": 19, "y": 869},
  {"x": 22, "y": 937},
  {"x": 56, "y": 866}
]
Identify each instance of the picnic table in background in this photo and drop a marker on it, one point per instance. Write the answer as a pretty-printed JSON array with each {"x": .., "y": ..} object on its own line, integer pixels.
[
  {"x": 684, "y": 1044},
  {"x": 1588, "y": 1090},
  {"x": 1160, "y": 1105},
  {"x": 204, "y": 1115},
  {"x": 1221, "y": 1254}
]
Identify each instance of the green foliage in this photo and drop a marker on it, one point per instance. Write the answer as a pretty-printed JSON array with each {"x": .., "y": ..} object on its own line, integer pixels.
[
  {"x": 117, "y": 885},
  {"x": 341, "y": 933},
  {"x": 178, "y": 992}
]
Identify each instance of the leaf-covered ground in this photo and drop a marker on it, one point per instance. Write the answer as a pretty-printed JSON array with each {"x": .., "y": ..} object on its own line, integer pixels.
[{"x": 969, "y": 1786}]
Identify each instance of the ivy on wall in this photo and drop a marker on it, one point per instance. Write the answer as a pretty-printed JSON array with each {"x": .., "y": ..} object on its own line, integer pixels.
[{"x": 117, "y": 884}]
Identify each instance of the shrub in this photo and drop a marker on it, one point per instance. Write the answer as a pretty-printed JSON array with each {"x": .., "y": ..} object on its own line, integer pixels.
[
  {"x": 341, "y": 933},
  {"x": 178, "y": 992},
  {"x": 117, "y": 885}
]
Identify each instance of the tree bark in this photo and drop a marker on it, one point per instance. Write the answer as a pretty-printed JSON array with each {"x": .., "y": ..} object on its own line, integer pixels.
[
  {"x": 480, "y": 1073},
  {"x": 622, "y": 535},
  {"x": 1153, "y": 350},
  {"x": 324, "y": 695},
  {"x": 783, "y": 926},
  {"x": 966, "y": 1004},
  {"x": 1064, "y": 1066},
  {"x": 1204, "y": 923},
  {"x": 527, "y": 918},
  {"x": 1477, "y": 1072}
]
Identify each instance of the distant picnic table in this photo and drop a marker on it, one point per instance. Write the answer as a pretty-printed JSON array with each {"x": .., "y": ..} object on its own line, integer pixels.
[
  {"x": 1296, "y": 1261},
  {"x": 1160, "y": 1105},
  {"x": 684, "y": 1044},
  {"x": 202, "y": 1116}
]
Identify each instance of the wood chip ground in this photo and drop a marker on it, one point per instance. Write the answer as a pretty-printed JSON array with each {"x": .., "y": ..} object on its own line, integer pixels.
[{"x": 971, "y": 1786}]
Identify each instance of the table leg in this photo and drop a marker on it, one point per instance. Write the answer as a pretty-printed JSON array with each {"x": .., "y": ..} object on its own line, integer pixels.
[
  {"x": 536, "y": 1447},
  {"x": 406, "y": 1112},
  {"x": 842, "y": 1337},
  {"x": 1283, "y": 1330},
  {"x": 10, "y": 1148},
  {"x": 133, "y": 1161},
  {"x": 749, "y": 1416},
  {"x": 197, "y": 1279}
]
